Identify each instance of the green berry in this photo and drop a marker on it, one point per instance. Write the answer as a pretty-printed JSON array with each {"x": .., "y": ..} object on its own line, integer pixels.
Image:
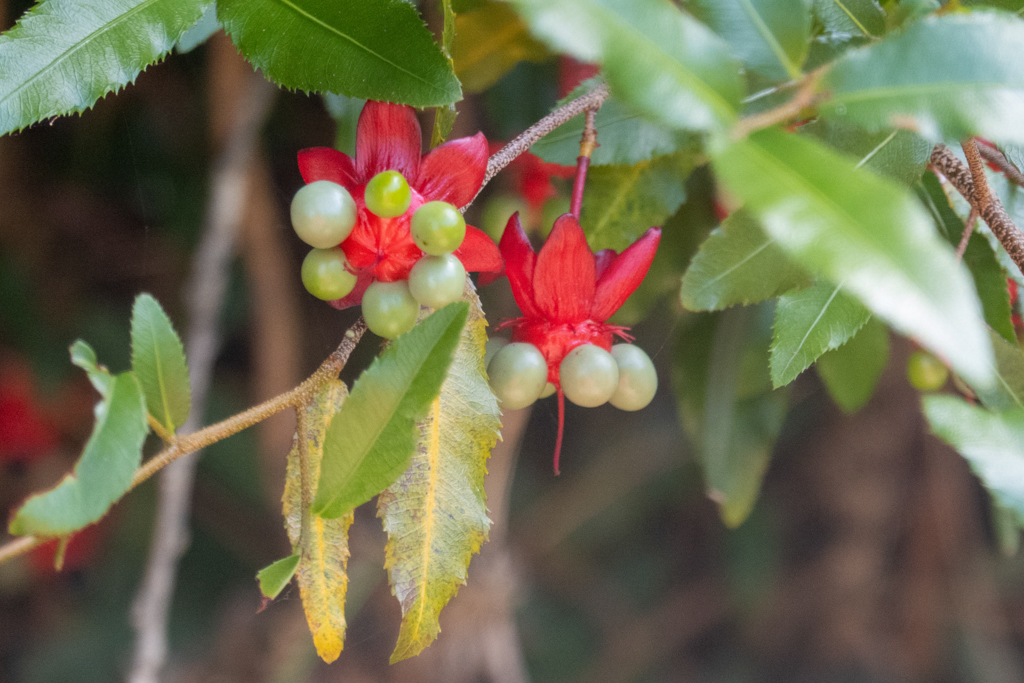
[
  {"x": 437, "y": 281},
  {"x": 926, "y": 372},
  {"x": 638, "y": 381},
  {"x": 518, "y": 373},
  {"x": 493, "y": 345},
  {"x": 549, "y": 390},
  {"x": 438, "y": 228},
  {"x": 326, "y": 275},
  {"x": 323, "y": 214},
  {"x": 387, "y": 194},
  {"x": 588, "y": 375},
  {"x": 389, "y": 308}
]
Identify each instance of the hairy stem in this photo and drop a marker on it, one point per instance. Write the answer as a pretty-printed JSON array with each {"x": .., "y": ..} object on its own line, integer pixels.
[{"x": 995, "y": 157}]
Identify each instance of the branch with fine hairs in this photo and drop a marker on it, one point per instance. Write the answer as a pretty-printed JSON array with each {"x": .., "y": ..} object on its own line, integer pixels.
[
  {"x": 994, "y": 156},
  {"x": 992, "y": 211},
  {"x": 296, "y": 398},
  {"x": 803, "y": 98}
]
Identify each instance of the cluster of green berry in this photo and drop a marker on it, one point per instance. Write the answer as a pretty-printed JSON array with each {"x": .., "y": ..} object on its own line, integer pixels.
[
  {"x": 589, "y": 375},
  {"x": 324, "y": 214}
]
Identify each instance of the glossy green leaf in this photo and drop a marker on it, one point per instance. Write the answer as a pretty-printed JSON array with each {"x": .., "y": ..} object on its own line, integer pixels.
[
  {"x": 84, "y": 357},
  {"x": 372, "y": 439},
  {"x": 867, "y": 233},
  {"x": 980, "y": 259},
  {"x": 103, "y": 473},
  {"x": 201, "y": 32},
  {"x": 851, "y": 372},
  {"x": 1008, "y": 390},
  {"x": 489, "y": 41},
  {"x": 897, "y": 154},
  {"x": 621, "y": 202},
  {"x": 947, "y": 76},
  {"x": 435, "y": 515},
  {"x": 655, "y": 57},
  {"x": 63, "y": 55},
  {"x": 810, "y": 322},
  {"x": 770, "y": 37},
  {"x": 275, "y": 576},
  {"x": 993, "y": 444},
  {"x": 862, "y": 18},
  {"x": 738, "y": 264},
  {"x": 158, "y": 361},
  {"x": 624, "y": 135},
  {"x": 374, "y": 49}
]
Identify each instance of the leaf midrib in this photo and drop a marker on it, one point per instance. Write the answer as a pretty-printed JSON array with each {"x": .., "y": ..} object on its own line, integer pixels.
[
  {"x": 890, "y": 91},
  {"x": 620, "y": 196},
  {"x": 725, "y": 273},
  {"x": 769, "y": 38},
  {"x": 169, "y": 422},
  {"x": 433, "y": 455},
  {"x": 821, "y": 313}
]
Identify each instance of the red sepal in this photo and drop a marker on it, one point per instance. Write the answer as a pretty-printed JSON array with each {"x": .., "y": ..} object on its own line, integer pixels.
[
  {"x": 454, "y": 171},
  {"x": 563, "y": 279},
  {"x": 624, "y": 275},
  {"x": 520, "y": 262},
  {"x": 388, "y": 138},
  {"x": 324, "y": 163}
]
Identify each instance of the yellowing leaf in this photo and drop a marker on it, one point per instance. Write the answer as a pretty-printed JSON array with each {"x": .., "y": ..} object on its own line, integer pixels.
[
  {"x": 489, "y": 41},
  {"x": 435, "y": 514},
  {"x": 321, "y": 573}
]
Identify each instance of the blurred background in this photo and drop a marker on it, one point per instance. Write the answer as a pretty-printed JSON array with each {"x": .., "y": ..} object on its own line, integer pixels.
[{"x": 870, "y": 555}]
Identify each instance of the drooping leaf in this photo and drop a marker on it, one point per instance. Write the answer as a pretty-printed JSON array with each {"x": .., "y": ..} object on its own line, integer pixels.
[
  {"x": 851, "y": 372},
  {"x": 275, "y": 576},
  {"x": 1008, "y": 390},
  {"x": 980, "y": 259},
  {"x": 810, "y": 322},
  {"x": 435, "y": 514},
  {"x": 993, "y": 444},
  {"x": 84, "y": 357},
  {"x": 621, "y": 202},
  {"x": 897, "y": 154},
  {"x": 489, "y": 41},
  {"x": 624, "y": 135},
  {"x": 655, "y": 57},
  {"x": 372, "y": 439},
  {"x": 201, "y": 32},
  {"x": 727, "y": 403},
  {"x": 770, "y": 37},
  {"x": 374, "y": 49},
  {"x": 738, "y": 264},
  {"x": 863, "y": 18},
  {"x": 64, "y": 55},
  {"x": 322, "y": 568},
  {"x": 158, "y": 361},
  {"x": 103, "y": 473},
  {"x": 947, "y": 76},
  {"x": 867, "y": 233}
]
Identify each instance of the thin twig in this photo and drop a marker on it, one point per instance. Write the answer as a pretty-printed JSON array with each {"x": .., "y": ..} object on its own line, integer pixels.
[
  {"x": 982, "y": 194},
  {"x": 803, "y": 98},
  {"x": 993, "y": 213},
  {"x": 961, "y": 248},
  {"x": 994, "y": 156}
]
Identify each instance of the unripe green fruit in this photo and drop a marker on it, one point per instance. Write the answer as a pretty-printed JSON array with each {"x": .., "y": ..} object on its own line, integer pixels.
[
  {"x": 549, "y": 390},
  {"x": 588, "y": 376},
  {"x": 438, "y": 228},
  {"x": 325, "y": 274},
  {"x": 437, "y": 281},
  {"x": 638, "y": 380},
  {"x": 926, "y": 372},
  {"x": 518, "y": 373},
  {"x": 389, "y": 308},
  {"x": 323, "y": 214},
  {"x": 387, "y": 194},
  {"x": 493, "y": 345}
]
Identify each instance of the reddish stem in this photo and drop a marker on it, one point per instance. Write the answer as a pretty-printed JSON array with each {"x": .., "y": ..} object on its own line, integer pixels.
[
  {"x": 561, "y": 427},
  {"x": 582, "y": 164}
]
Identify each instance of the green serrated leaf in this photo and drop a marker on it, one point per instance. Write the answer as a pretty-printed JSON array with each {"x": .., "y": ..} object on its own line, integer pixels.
[
  {"x": 64, "y": 55},
  {"x": 84, "y": 357},
  {"x": 102, "y": 475},
  {"x": 201, "y": 32},
  {"x": 897, "y": 154},
  {"x": 992, "y": 443},
  {"x": 856, "y": 228},
  {"x": 322, "y": 570},
  {"x": 949, "y": 76},
  {"x": 374, "y": 49},
  {"x": 371, "y": 441},
  {"x": 770, "y": 37},
  {"x": 658, "y": 59},
  {"x": 807, "y": 324},
  {"x": 275, "y": 576},
  {"x": 851, "y": 372},
  {"x": 738, "y": 264},
  {"x": 621, "y": 202},
  {"x": 158, "y": 361},
  {"x": 1008, "y": 390},
  {"x": 435, "y": 515},
  {"x": 489, "y": 41},
  {"x": 863, "y": 18}
]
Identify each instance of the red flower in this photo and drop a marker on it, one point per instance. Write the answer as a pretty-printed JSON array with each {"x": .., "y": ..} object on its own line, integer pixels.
[
  {"x": 25, "y": 433},
  {"x": 388, "y": 138},
  {"x": 567, "y": 292}
]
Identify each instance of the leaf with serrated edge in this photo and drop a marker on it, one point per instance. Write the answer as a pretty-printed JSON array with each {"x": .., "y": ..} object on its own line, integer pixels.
[
  {"x": 102, "y": 475},
  {"x": 947, "y": 77},
  {"x": 84, "y": 357},
  {"x": 1008, "y": 390},
  {"x": 374, "y": 49},
  {"x": 372, "y": 439},
  {"x": 867, "y": 233},
  {"x": 158, "y": 361},
  {"x": 849, "y": 18},
  {"x": 64, "y": 55},
  {"x": 275, "y": 576},
  {"x": 322, "y": 572},
  {"x": 435, "y": 514},
  {"x": 489, "y": 41},
  {"x": 851, "y": 372},
  {"x": 807, "y": 324},
  {"x": 738, "y": 264},
  {"x": 655, "y": 57}
]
